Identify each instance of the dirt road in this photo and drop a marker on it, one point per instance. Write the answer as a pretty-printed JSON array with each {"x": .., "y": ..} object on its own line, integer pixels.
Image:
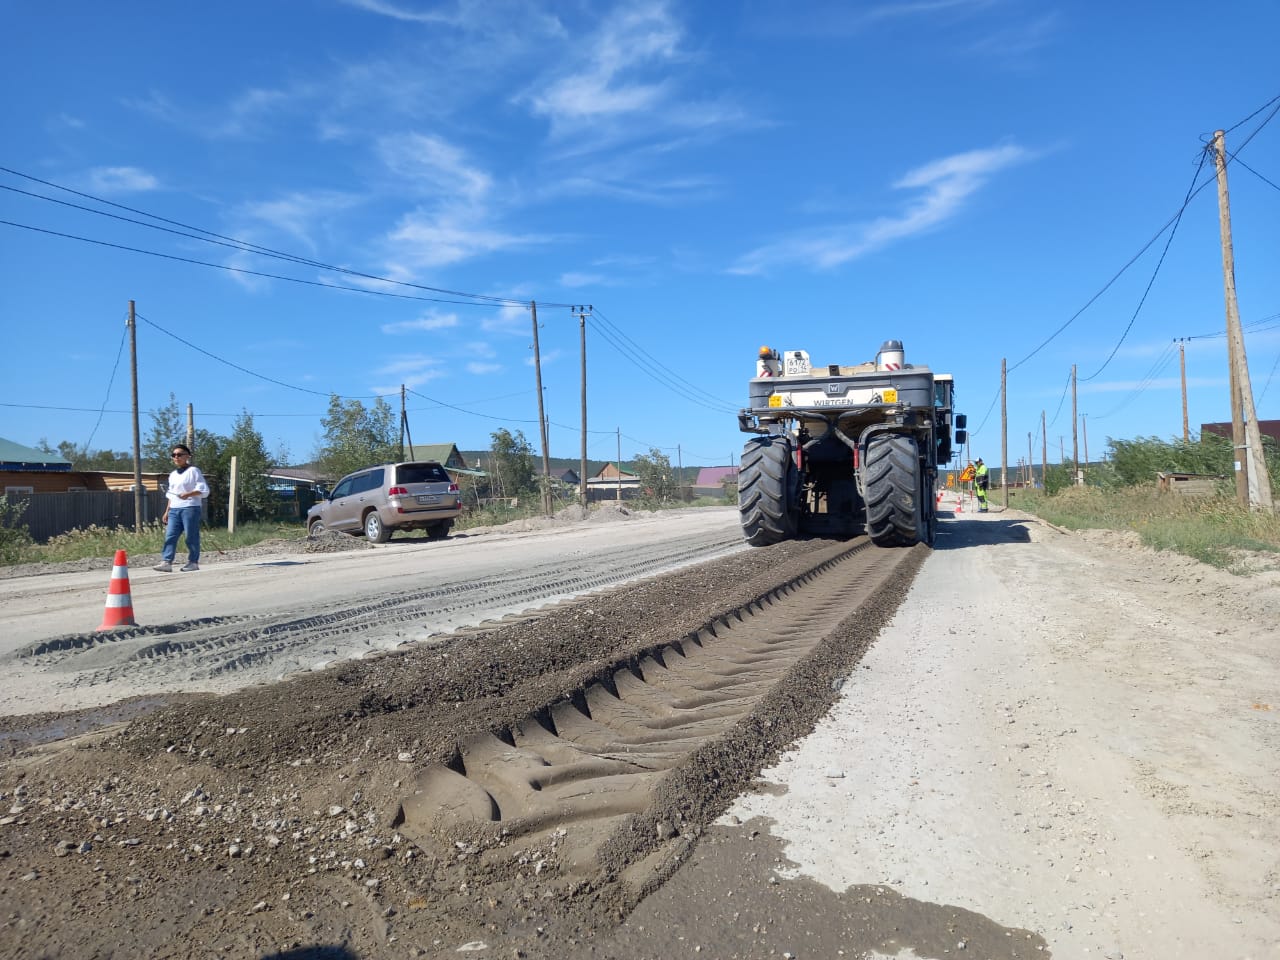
[{"x": 1059, "y": 745}]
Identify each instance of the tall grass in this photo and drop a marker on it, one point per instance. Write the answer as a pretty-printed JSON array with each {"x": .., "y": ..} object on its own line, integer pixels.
[
  {"x": 96, "y": 541},
  {"x": 1214, "y": 530}
]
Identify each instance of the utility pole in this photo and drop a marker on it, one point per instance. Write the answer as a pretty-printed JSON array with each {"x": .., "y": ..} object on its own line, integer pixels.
[
  {"x": 1182, "y": 363},
  {"x": 1253, "y": 483},
  {"x": 1075, "y": 441},
  {"x": 542, "y": 419},
  {"x": 1004, "y": 429},
  {"x": 582, "y": 349},
  {"x": 1044, "y": 454},
  {"x": 191, "y": 425},
  {"x": 1029, "y": 460},
  {"x": 619, "y": 496},
  {"x": 137, "y": 434}
]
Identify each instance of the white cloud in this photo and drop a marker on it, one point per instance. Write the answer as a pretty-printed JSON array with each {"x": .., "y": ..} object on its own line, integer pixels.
[
  {"x": 121, "y": 180},
  {"x": 624, "y": 84},
  {"x": 943, "y": 185},
  {"x": 439, "y": 238},
  {"x": 510, "y": 320},
  {"x": 411, "y": 370},
  {"x": 299, "y": 215},
  {"x": 431, "y": 320},
  {"x": 479, "y": 368},
  {"x": 400, "y": 11},
  {"x": 582, "y": 280},
  {"x": 433, "y": 166}
]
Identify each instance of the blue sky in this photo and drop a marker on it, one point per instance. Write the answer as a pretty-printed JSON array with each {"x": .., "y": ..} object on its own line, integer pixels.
[{"x": 968, "y": 176}]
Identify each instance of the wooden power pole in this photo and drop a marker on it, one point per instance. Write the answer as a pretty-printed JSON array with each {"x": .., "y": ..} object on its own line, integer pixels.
[
  {"x": 1004, "y": 429},
  {"x": 1253, "y": 483},
  {"x": 1182, "y": 363},
  {"x": 582, "y": 350},
  {"x": 137, "y": 434},
  {"x": 542, "y": 419},
  {"x": 1075, "y": 437}
]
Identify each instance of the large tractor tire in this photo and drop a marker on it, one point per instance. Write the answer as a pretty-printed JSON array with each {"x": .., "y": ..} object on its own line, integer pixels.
[
  {"x": 896, "y": 516},
  {"x": 768, "y": 491}
]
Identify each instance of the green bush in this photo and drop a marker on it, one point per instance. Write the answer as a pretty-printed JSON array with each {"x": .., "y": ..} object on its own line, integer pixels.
[{"x": 15, "y": 538}]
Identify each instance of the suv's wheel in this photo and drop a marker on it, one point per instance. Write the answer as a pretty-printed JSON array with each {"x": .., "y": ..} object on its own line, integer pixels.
[
  {"x": 439, "y": 530},
  {"x": 316, "y": 528},
  {"x": 375, "y": 531}
]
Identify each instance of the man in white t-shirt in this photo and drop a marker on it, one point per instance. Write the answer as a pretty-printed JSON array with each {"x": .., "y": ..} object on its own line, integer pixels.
[{"x": 184, "y": 499}]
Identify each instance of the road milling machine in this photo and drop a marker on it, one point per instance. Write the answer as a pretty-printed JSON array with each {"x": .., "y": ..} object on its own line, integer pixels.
[{"x": 840, "y": 450}]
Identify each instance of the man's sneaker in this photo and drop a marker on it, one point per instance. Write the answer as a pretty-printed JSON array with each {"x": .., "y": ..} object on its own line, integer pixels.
[
  {"x": 164, "y": 566},
  {"x": 188, "y": 567}
]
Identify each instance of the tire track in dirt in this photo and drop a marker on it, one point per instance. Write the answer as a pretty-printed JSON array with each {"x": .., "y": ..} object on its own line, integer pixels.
[{"x": 564, "y": 781}]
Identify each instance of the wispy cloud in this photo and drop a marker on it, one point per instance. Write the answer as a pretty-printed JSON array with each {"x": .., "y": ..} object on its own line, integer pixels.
[
  {"x": 429, "y": 321},
  {"x": 121, "y": 180},
  {"x": 412, "y": 371},
  {"x": 404, "y": 11},
  {"x": 480, "y": 368},
  {"x": 574, "y": 280},
  {"x": 297, "y": 215},
  {"x": 625, "y": 84},
  {"x": 943, "y": 186},
  {"x": 431, "y": 165}
]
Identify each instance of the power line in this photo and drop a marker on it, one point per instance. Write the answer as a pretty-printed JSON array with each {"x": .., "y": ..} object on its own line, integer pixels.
[
  {"x": 110, "y": 383},
  {"x": 246, "y": 271},
  {"x": 1172, "y": 222},
  {"x": 253, "y": 373},
  {"x": 1156, "y": 272},
  {"x": 636, "y": 348},
  {"x": 216, "y": 238}
]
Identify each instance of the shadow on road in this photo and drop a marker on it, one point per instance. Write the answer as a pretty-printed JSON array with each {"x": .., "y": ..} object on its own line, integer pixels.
[{"x": 957, "y": 532}]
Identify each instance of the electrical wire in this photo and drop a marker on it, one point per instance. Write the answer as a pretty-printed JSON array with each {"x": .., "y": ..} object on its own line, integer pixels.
[
  {"x": 658, "y": 373},
  {"x": 244, "y": 270},
  {"x": 1156, "y": 272},
  {"x": 1253, "y": 171},
  {"x": 1161, "y": 364},
  {"x": 1172, "y": 222},
  {"x": 110, "y": 383},
  {"x": 253, "y": 373},
  {"x": 657, "y": 363},
  {"x": 216, "y": 238}
]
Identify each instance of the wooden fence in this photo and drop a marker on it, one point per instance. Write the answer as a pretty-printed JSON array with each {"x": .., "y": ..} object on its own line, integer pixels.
[{"x": 49, "y": 514}]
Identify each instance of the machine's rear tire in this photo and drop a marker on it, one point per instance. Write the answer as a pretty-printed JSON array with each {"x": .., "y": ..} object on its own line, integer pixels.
[
  {"x": 768, "y": 491},
  {"x": 892, "y": 482}
]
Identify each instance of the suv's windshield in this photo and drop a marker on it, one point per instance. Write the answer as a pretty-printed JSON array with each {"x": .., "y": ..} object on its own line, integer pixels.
[{"x": 421, "y": 473}]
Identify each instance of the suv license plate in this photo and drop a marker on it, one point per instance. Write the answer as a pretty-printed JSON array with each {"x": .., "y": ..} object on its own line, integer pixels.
[{"x": 422, "y": 498}]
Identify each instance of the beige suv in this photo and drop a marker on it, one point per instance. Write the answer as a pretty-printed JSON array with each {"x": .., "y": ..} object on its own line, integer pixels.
[{"x": 379, "y": 500}]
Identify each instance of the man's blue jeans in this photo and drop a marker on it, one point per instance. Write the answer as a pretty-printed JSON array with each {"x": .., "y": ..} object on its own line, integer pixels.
[{"x": 182, "y": 521}]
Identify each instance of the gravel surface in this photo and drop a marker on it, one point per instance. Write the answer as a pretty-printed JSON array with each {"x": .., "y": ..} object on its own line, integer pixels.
[{"x": 1058, "y": 745}]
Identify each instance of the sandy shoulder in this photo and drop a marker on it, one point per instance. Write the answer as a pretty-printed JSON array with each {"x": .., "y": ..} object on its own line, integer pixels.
[{"x": 1072, "y": 735}]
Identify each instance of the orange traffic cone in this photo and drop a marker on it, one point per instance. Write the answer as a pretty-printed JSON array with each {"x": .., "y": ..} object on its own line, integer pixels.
[
  {"x": 960, "y": 504},
  {"x": 119, "y": 612}
]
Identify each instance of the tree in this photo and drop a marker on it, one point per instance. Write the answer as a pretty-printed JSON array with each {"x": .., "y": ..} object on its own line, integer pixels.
[
  {"x": 254, "y": 499},
  {"x": 512, "y": 472},
  {"x": 356, "y": 436},
  {"x": 82, "y": 458},
  {"x": 167, "y": 429},
  {"x": 656, "y": 479}
]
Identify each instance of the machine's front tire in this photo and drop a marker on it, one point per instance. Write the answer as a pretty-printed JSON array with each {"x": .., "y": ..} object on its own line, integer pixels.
[
  {"x": 768, "y": 491},
  {"x": 892, "y": 482}
]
